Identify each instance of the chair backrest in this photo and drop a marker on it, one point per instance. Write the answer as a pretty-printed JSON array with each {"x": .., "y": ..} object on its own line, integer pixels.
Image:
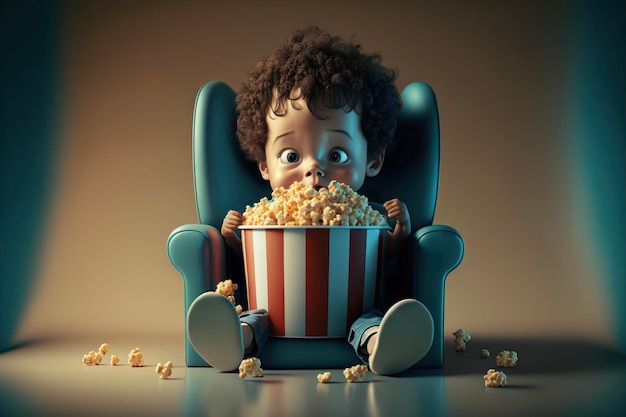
[{"x": 224, "y": 179}]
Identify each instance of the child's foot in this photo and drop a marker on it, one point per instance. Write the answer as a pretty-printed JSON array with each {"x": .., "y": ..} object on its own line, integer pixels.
[
  {"x": 404, "y": 337},
  {"x": 214, "y": 330}
]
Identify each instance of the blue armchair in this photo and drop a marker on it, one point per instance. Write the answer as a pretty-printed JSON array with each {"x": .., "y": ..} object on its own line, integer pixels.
[{"x": 224, "y": 179}]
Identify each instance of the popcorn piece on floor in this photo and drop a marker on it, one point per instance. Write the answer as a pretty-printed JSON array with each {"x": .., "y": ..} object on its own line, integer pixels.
[
  {"x": 104, "y": 348},
  {"x": 164, "y": 369},
  {"x": 249, "y": 367},
  {"x": 324, "y": 377},
  {"x": 92, "y": 358},
  {"x": 494, "y": 378},
  {"x": 115, "y": 360},
  {"x": 485, "y": 353},
  {"x": 135, "y": 358},
  {"x": 227, "y": 288},
  {"x": 506, "y": 358},
  {"x": 461, "y": 339},
  {"x": 355, "y": 372}
]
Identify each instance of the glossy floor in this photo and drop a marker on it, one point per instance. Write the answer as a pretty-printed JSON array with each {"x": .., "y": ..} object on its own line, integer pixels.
[{"x": 552, "y": 377}]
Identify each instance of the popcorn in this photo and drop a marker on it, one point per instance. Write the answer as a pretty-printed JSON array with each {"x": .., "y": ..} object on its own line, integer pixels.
[
  {"x": 355, "y": 372},
  {"x": 104, "y": 348},
  {"x": 227, "y": 289},
  {"x": 324, "y": 377},
  {"x": 95, "y": 358},
  {"x": 461, "y": 338},
  {"x": 301, "y": 205},
  {"x": 115, "y": 360},
  {"x": 249, "y": 367},
  {"x": 135, "y": 358},
  {"x": 164, "y": 369},
  {"x": 494, "y": 378},
  {"x": 506, "y": 358},
  {"x": 92, "y": 358},
  {"x": 485, "y": 353}
]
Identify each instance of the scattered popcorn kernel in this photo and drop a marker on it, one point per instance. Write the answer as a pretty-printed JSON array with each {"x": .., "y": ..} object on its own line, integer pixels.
[
  {"x": 485, "y": 353},
  {"x": 135, "y": 358},
  {"x": 506, "y": 358},
  {"x": 324, "y": 377},
  {"x": 104, "y": 348},
  {"x": 301, "y": 205},
  {"x": 249, "y": 367},
  {"x": 115, "y": 360},
  {"x": 355, "y": 372},
  {"x": 494, "y": 378},
  {"x": 227, "y": 288},
  {"x": 164, "y": 369},
  {"x": 461, "y": 339},
  {"x": 92, "y": 358}
]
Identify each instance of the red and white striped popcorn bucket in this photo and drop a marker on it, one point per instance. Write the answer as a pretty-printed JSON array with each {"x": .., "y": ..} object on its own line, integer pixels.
[{"x": 314, "y": 281}]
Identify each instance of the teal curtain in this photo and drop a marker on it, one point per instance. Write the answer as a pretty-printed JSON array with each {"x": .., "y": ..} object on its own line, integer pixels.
[
  {"x": 28, "y": 141},
  {"x": 596, "y": 126}
]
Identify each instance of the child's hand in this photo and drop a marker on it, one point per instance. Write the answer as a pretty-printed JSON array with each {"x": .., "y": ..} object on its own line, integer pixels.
[
  {"x": 397, "y": 210},
  {"x": 232, "y": 220}
]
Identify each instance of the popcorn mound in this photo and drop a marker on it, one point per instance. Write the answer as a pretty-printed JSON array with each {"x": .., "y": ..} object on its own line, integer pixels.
[{"x": 302, "y": 205}]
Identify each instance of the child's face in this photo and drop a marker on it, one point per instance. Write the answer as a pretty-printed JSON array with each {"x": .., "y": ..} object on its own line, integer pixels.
[{"x": 301, "y": 147}]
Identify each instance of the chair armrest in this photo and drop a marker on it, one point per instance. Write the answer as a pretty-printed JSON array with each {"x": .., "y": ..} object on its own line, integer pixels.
[
  {"x": 439, "y": 250},
  {"x": 197, "y": 252},
  {"x": 436, "y": 251}
]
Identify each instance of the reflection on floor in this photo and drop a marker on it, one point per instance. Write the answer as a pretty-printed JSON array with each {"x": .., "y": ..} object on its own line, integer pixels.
[{"x": 552, "y": 377}]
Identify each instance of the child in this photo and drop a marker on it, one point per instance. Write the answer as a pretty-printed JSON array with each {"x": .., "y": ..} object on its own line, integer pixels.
[{"x": 317, "y": 109}]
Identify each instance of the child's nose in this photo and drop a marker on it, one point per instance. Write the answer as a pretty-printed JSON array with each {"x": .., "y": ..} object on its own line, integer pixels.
[{"x": 313, "y": 173}]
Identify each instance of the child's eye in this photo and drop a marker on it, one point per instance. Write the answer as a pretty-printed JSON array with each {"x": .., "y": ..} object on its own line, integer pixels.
[
  {"x": 289, "y": 156},
  {"x": 338, "y": 156}
]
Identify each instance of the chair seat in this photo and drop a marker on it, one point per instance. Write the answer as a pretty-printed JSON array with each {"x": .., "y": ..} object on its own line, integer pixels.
[{"x": 198, "y": 251}]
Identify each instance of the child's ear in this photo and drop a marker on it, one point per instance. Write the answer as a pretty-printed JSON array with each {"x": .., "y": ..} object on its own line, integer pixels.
[
  {"x": 374, "y": 166},
  {"x": 265, "y": 174}
]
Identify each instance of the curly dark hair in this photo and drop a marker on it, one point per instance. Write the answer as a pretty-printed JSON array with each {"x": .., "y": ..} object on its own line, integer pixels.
[{"x": 329, "y": 72}]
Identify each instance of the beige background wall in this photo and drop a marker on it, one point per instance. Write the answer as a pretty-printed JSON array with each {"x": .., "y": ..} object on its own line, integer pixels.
[{"x": 124, "y": 181}]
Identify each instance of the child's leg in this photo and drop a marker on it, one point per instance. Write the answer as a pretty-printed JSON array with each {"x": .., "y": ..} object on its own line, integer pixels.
[
  {"x": 214, "y": 330},
  {"x": 363, "y": 329},
  {"x": 256, "y": 329}
]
